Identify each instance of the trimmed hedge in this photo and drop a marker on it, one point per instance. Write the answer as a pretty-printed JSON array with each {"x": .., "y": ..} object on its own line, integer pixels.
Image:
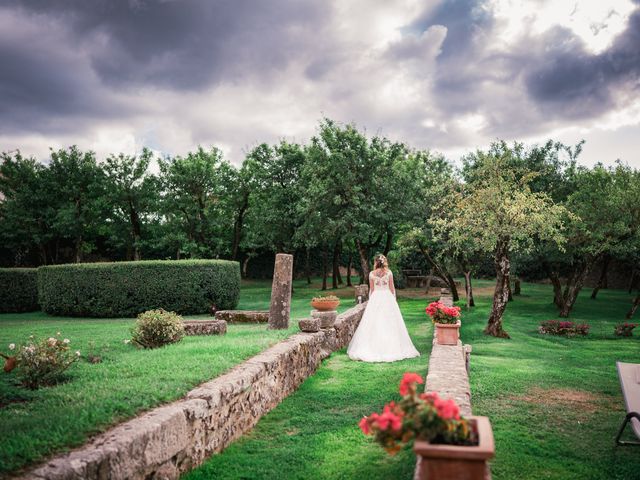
[
  {"x": 18, "y": 290},
  {"x": 125, "y": 289}
]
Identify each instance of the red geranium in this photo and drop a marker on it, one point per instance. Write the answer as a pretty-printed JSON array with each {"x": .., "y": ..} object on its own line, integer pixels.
[
  {"x": 408, "y": 381},
  {"x": 440, "y": 313}
]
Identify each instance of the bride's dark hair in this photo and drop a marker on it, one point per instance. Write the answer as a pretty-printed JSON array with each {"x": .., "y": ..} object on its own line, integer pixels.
[{"x": 381, "y": 261}]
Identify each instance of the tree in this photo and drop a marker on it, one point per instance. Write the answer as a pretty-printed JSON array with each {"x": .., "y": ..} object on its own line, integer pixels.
[
  {"x": 131, "y": 194},
  {"x": 194, "y": 202},
  {"x": 76, "y": 182},
  {"x": 605, "y": 221},
  {"x": 25, "y": 212},
  {"x": 501, "y": 214}
]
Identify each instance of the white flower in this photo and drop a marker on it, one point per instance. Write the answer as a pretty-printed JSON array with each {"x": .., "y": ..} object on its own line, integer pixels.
[
  {"x": 77, "y": 353},
  {"x": 66, "y": 341},
  {"x": 30, "y": 349},
  {"x": 12, "y": 346},
  {"x": 57, "y": 333},
  {"x": 127, "y": 341}
]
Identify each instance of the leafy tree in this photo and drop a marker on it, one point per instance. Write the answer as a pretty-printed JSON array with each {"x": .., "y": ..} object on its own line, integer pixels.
[
  {"x": 25, "y": 221},
  {"x": 193, "y": 200},
  {"x": 132, "y": 194},
  {"x": 500, "y": 213},
  {"x": 76, "y": 183}
]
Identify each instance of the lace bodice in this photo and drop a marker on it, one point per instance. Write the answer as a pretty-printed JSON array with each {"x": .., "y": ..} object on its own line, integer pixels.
[{"x": 381, "y": 281}]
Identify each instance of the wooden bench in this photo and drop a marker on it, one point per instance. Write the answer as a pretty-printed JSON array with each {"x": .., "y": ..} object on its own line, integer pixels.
[{"x": 629, "y": 374}]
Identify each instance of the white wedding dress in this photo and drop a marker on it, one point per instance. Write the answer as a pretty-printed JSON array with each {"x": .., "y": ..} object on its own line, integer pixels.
[{"x": 382, "y": 335}]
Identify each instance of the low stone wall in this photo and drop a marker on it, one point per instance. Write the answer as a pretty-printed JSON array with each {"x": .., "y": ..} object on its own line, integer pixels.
[
  {"x": 448, "y": 376},
  {"x": 242, "y": 316},
  {"x": 174, "y": 438}
]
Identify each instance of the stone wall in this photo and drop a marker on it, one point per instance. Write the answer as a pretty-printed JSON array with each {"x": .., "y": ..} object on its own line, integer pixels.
[
  {"x": 448, "y": 376},
  {"x": 174, "y": 438}
]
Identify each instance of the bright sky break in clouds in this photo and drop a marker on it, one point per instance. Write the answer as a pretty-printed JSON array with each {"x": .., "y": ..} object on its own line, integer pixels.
[{"x": 112, "y": 75}]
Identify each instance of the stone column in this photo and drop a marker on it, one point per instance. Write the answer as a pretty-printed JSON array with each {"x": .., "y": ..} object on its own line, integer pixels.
[{"x": 280, "y": 309}]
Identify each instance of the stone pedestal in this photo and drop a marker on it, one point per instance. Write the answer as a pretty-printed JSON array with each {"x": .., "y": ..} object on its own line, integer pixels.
[
  {"x": 327, "y": 319},
  {"x": 309, "y": 325},
  {"x": 362, "y": 293},
  {"x": 280, "y": 308},
  {"x": 205, "y": 327}
]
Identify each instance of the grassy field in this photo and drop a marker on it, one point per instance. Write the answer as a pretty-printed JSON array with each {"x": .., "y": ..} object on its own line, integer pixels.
[
  {"x": 35, "y": 424},
  {"x": 313, "y": 433},
  {"x": 555, "y": 403}
]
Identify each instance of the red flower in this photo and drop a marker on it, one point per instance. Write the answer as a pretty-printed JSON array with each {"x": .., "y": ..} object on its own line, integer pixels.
[
  {"x": 430, "y": 397},
  {"x": 447, "y": 409},
  {"x": 389, "y": 419},
  {"x": 364, "y": 426},
  {"x": 408, "y": 381}
]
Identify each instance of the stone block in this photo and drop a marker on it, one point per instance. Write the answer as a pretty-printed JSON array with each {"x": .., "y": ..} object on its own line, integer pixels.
[
  {"x": 309, "y": 324},
  {"x": 243, "y": 316},
  {"x": 205, "y": 327},
  {"x": 327, "y": 319}
]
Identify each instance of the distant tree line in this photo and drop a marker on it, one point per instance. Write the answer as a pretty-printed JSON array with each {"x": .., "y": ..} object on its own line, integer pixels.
[{"x": 336, "y": 200}]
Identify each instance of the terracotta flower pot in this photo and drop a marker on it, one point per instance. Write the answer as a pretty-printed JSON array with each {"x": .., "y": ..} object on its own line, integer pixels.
[
  {"x": 9, "y": 364},
  {"x": 456, "y": 461},
  {"x": 325, "y": 306},
  {"x": 448, "y": 333}
]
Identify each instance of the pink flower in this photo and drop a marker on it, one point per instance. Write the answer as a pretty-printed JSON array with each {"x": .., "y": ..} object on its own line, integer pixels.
[
  {"x": 430, "y": 397},
  {"x": 408, "y": 381}
]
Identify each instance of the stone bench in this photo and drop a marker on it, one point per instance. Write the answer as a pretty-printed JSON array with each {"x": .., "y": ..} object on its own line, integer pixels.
[{"x": 243, "y": 316}]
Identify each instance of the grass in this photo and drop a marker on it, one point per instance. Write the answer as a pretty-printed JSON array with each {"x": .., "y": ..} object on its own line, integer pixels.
[
  {"x": 554, "y": 403},
  {"x": 36, "y": 424},
  {"x": 313, "y": 433}
]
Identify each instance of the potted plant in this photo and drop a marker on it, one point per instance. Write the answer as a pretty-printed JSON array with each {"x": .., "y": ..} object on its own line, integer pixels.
[
  {"x": 325, "y": 303},
  {"x": 448, "y": 445},
  {"x": 447, "y": 322}
]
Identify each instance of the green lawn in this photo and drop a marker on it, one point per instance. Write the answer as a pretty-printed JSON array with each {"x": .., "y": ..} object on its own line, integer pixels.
[
  {"x": 554, "y": 403},
  {"x": 35, "y": 424},
  {"x": 313, "y": 433}
]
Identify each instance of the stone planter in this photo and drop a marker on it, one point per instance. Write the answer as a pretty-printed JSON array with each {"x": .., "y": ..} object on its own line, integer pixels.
[
  {"x": 327, "y": 318},
  {"x": 455, "y": 461},
  {"x": 448, "y": 333},
  {"x": 326, "y": 305}
]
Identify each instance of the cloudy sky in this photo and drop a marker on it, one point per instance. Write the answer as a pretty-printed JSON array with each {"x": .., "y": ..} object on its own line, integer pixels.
[{"x": 448, "y": 75}]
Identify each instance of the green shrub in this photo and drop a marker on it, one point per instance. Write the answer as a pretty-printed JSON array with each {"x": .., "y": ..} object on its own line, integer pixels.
[
  {"x": 124, "y": 289},
  {"x": 43, "y": 362},
  {"x": 156, "y": 328},
  {"x": 18, "y": 290}
]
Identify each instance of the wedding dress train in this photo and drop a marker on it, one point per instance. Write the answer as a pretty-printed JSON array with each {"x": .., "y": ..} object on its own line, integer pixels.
[{"x": 382, "y": 335}]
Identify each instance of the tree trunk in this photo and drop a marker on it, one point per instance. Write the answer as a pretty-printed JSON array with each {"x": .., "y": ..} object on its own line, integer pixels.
[
  {"x": 573, "y": 287},
  {"x": 516, "y": 289},
  {"x": 78, "y": 247},
  {"x": 452, "y": 286},
  {"x": 501, "y": 294},
  {"x": 307, "y": 266},
  {"x": 602, "y": 281},
  {"x": 245, "y": 265},
  {"x": 557, "y": 286},
  {"x": 632, "y": 282},
  {"x": 237, "y": 227},
  {"x": 136, "y": 230},
  {"x": 324, "y": 269},
  {"x": 441, "y": 272},
  {"x": 364, "y": 261},
  {"x": 340, "y": 282},
  {"x": 468, "y": 289},
  {"x": 509, "y": 292},
  {"x": 634, "y": 307},
  {"x": 334, "y": 274},
  {"x": 388, "y": 243},
  {"x": 349, "y": 270},
  {"x": 429, "y": 281}
]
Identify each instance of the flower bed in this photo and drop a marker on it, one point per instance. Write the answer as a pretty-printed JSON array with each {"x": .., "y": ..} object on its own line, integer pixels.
[
  {"x": 567, "y": 328},
  {"x": 625, "y": 329}
]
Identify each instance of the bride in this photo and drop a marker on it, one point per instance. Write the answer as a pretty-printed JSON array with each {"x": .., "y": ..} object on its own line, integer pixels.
[{"x": 382, "y": 335}]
